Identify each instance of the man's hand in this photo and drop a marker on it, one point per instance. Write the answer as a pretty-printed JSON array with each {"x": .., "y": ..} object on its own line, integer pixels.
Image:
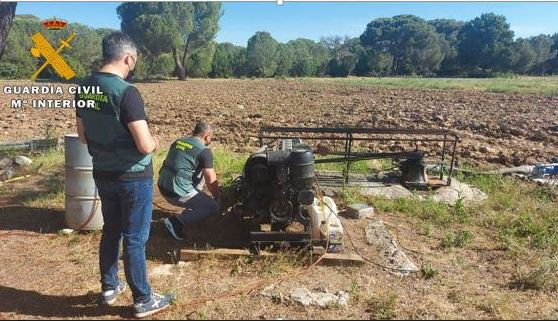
[
  {"x": 145, "y": 143},
  {"x": 211, "y": 182}
]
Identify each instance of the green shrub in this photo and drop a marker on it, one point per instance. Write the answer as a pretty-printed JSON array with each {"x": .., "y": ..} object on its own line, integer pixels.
[
  {"x": 8, "y": 71},
  {"x": 459, "y": 239}
]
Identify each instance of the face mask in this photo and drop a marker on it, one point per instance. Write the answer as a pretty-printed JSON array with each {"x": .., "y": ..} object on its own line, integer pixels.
[
  {"x": 130, "y": 75},
  {"x": 131, "y": 72}
]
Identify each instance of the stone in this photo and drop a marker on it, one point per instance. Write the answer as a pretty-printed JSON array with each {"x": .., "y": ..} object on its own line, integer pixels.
[
  {"x": 162, "y": 271},
  {"x": 487, "y": 150},
  {"x": 302, "y": 296},
  {"x": 183, "y": 264},
  {"x": 505, "y": 127},
  {"x": 23, "y": 161},
  {"x": 451, "y": 194},
  {"x": 438, "y": 119},
  {"x": 322, "y": 298},
  {"x": 5, "y": 163},
  {"x": 360, "y": 211},
  {"x": 475, "y": 125},
  {"x": 389, "y": 253},
  {"x": 388, "y": 191},
  {"x": 539, "y": 136},
  {"x": 66, "y": 231},
  {"x": 7, "y": 173}
]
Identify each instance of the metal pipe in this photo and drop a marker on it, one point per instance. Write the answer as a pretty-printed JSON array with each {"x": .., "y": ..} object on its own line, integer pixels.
[
  {"x": 443, "y": 158},
  {"x": 364, "y": 138},
  {"x": 359, "y": 130},
  {"x": 348, "y": 158},
  {"x": 452, "y": 163}
]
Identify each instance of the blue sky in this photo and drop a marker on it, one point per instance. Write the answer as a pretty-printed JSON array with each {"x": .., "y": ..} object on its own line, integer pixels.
[{"x": 314, "y": 20}]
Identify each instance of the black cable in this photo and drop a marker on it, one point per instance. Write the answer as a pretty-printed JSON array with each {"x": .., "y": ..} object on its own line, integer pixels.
[{"x": 351, "y": 240}]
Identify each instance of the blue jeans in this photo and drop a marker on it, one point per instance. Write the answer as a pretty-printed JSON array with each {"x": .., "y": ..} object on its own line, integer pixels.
[
  {"x": 198, "y": 207},
  {"x": 127, "y": 208}
]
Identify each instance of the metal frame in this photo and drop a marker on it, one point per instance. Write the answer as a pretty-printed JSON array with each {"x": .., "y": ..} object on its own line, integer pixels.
[
  {"x": 36, "y": 144},
  {"x": 350, "y": 135}
]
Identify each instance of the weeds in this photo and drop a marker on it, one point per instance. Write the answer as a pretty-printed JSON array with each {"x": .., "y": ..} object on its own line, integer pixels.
[
  {"x": 425, "y": 229},
  {"x": 383, "y": 307},
  {"x": 459, "y": 239},
  {"x": 542, "y": 278},
  {"x": 357, "y": 167},
  {"x": 459, "y": 211},
  {"x": 354, "y": 292},
  {"x": 429, "y": 272},
  {"x": 426, "y": 210},
  {"x": 496, "y": 305},
  {"x": 283, "y": 262}
]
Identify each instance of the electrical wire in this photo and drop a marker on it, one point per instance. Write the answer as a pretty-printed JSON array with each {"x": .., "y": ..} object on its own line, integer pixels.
[
  {"x": 353, "y": 244},
  {"x": 260, "y": 284}
]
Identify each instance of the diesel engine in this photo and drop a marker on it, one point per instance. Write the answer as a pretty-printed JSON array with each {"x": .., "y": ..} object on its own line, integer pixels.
[{"x": 277, "y": 187}]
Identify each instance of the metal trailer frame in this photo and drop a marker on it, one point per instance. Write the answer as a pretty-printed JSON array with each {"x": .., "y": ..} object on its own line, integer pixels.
[{"x": 350, "y": 135}]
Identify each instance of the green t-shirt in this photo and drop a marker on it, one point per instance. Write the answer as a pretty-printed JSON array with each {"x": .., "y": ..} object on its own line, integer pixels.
[
  {"x": 110, "y": 143},
  {"x": 181, "y": 171}
]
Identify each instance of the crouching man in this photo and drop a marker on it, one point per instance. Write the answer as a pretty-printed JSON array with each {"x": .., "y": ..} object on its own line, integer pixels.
[{"x": 188, "y": 165}]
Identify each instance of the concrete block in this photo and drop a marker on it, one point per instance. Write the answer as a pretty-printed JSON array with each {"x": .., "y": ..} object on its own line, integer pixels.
[{"x": 360, "y": 211}]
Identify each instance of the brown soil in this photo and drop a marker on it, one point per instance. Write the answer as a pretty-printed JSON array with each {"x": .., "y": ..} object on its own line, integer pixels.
[
  {"x": 45, "y": 275},
  {"x": 495, "y": 128}
]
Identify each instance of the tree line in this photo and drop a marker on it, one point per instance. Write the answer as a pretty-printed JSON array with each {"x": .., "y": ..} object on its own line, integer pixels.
[{"x": 177, "y": 39}]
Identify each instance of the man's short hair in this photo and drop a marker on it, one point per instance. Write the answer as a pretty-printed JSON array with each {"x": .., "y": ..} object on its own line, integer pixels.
[
  {"x": 117, "y": 44},
  {"x": 201, "y": 129}
]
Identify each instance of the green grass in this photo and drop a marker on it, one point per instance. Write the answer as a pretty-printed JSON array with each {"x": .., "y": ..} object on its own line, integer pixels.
[
  {"x": 45, "y": 160},
  {"x": 517, "y": 213},
  {"x": 49, "y": 160},
  {"x": 227, "y": 164},
  {"x": 543, "y": 277},
  {"x": 427, "y": 210},
  {"x": 523, "y": 213},
  {"x": 545, "y": 86},
  {"x": 51, "y": 194},
  {"x": 459, "y": 239},
  {"x": 50, "y": 185},
  {"x": 428, "y": 272},
  {"x": 358, "y": 167},
  {"x": 382, "y": 307}
]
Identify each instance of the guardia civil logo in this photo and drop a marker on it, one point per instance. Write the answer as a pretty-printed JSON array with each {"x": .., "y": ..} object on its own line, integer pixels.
[{"x": 52, "y": 56}]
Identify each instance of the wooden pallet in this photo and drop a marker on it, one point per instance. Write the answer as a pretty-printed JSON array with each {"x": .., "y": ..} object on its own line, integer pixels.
[{"x": 330, "y": 259}]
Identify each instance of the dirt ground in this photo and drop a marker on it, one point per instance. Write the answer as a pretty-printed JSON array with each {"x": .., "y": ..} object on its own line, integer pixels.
[
  {"x": 495, "y": 127},
  {"x": 47, "y": 275}
]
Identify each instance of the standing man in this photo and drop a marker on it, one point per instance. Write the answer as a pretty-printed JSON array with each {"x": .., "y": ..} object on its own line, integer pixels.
[
  {"x": 119, "y": 140},
  {"x": 188, "y": 165}
]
